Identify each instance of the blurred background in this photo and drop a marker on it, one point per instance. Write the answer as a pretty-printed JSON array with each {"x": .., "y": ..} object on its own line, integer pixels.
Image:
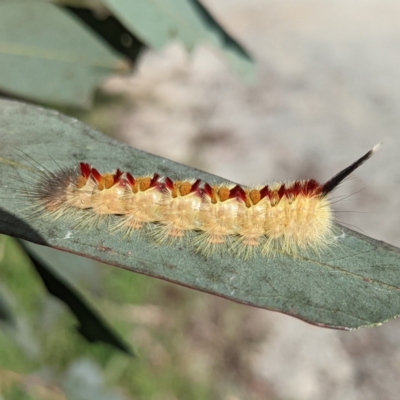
[{"x": 327, "y": 89}]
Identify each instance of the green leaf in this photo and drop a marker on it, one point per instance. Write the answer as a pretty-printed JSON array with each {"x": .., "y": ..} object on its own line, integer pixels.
[
  {"x": 110, "y": 30},
  {"x": 94, "y": 5},
  {"x": 354, "y": 284},
  {"x": 91, "y": 325},
  {"x": 157, "y": 22},
  {"x": 46, "y": 55}
]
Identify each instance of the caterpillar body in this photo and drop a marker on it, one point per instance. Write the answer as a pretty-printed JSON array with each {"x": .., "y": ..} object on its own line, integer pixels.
[{"x": 266, "y": 219}]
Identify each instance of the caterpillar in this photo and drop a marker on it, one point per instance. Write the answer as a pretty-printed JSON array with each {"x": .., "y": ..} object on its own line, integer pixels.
[{"x": 245, "y": 221}]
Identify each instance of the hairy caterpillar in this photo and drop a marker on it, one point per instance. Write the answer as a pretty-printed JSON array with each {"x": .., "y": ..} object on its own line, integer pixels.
[{"x": 281, "y": 217}]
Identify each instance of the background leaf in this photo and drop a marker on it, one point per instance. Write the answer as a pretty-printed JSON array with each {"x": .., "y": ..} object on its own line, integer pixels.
[
  {"x": 48, "y": 56},
  {"x": 157, "y": 22},
  {"x": 110, "y": 30},
  {"x": 353, "y": 284},
  {"x": 92, "y": 326},
  {"x": 92, "y": 4}
]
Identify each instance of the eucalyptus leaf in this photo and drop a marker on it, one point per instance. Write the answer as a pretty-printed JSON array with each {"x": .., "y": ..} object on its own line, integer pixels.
[
  {"x": 47, "y": 55},
  {"x": 95, "y": 5},
  {"x": 353, "y": 284},
  {"x": 110, "y": 30},
  {"x": 92, "y": 326},
  {"x": 157, "y": 22}
]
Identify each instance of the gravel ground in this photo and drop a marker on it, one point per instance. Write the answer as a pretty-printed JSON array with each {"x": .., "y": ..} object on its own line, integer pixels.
[{"x": 328, "y": 89}]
